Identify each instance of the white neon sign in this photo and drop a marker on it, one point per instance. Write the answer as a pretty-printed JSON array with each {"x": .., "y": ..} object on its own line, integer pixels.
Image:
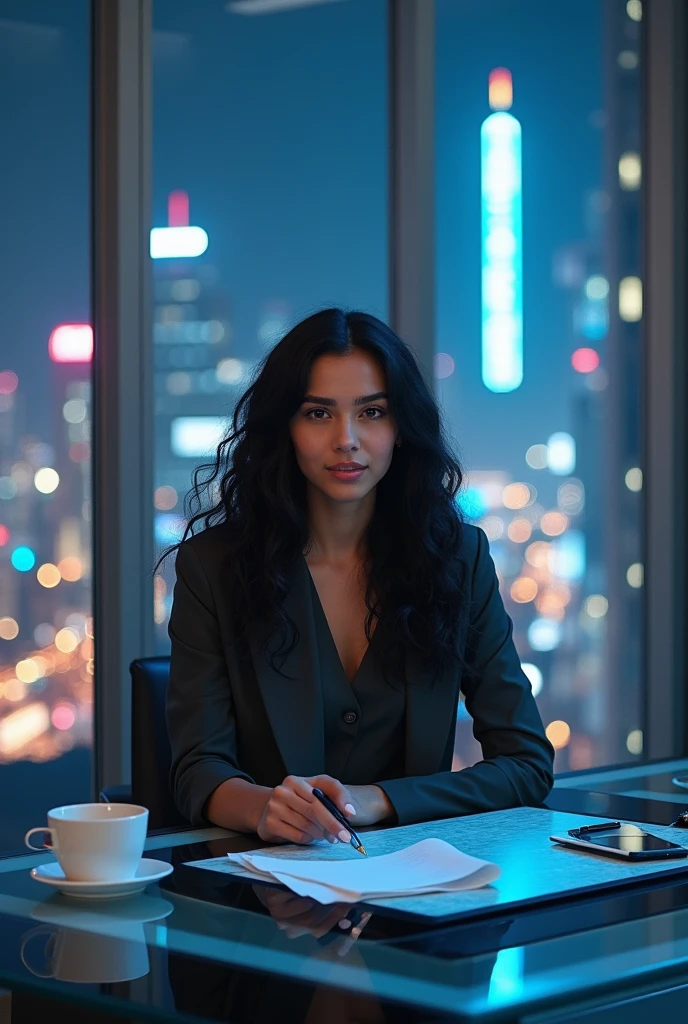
[
  {"x": 184, "y": 242},
  {"x": 502, "y": 252}
]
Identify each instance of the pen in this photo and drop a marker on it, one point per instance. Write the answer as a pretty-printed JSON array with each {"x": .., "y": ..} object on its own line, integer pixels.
[
  {"x": 603, "y": 826},
  {"x": 336, "y": 813}
]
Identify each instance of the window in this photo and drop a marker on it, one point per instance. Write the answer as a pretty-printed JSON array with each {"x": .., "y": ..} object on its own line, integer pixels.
[
  {"x": 270, "y": 201},
  {"x": 45, "y": 386},
  {"x": 539, "y": 312}
]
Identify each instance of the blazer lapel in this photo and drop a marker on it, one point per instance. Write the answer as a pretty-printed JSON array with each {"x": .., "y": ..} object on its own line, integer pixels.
[
  {"x": 431, "y": 706},
  {"x": 294, "y": 705}
]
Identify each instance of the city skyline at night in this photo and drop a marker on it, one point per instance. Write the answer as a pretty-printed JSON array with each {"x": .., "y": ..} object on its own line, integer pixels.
[{"x": 285, "y": 174}]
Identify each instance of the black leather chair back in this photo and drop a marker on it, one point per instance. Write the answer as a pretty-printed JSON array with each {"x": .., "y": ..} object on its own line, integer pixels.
[{"x": 151, "y": 756}]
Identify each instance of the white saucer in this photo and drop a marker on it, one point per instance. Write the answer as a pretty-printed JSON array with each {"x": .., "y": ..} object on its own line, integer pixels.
[
  {"x": 148, "y": 871},
  {"x": 120, "y": 918}
]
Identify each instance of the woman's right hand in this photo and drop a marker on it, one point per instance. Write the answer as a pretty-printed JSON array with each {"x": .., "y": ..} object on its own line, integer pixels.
[
  {"x": 300, "y": 915},
  {"x": 293, "y": 815}
]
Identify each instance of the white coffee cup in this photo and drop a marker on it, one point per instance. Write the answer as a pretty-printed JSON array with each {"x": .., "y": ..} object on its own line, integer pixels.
[{"x": 96, "y": 842}]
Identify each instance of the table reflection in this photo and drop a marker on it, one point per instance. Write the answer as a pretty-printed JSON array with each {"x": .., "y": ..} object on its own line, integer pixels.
[{"x": 222, "y": 992}]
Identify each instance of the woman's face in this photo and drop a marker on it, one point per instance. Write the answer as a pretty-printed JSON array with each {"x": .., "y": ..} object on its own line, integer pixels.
[{"x": 344, "y": 421}]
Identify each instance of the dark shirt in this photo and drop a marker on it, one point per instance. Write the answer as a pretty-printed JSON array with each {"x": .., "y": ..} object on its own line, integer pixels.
[{"x": 364, "y": 719}]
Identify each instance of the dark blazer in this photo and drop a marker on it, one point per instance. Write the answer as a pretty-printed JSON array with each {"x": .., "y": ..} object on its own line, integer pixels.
[{"x": 231, "y": 716}]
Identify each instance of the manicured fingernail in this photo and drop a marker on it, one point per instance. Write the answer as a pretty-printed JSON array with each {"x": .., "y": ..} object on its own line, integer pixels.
[
  {"x": 344, "y": 836},
  {"x": 349, "y": 808},
  {"x": 344, "y": 924}
]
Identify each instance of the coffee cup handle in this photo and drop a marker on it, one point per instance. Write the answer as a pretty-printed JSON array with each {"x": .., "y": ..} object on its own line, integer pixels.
[
  {"x": 45, "y": 846},
  {"x": 34, "y": 933}
]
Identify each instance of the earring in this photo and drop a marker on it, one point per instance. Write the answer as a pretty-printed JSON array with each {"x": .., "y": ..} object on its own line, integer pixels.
[{"x": 397, "y": 444}]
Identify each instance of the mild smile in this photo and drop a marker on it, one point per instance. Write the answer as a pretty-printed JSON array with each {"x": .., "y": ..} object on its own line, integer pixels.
[{"x": 347, "y": 472}]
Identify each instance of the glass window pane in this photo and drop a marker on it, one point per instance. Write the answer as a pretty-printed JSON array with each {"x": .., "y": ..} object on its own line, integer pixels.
[
  {"x": 45, "y": 402},
  {"x": 539, "y": 312},
  {"x": 270, "y": 141}
]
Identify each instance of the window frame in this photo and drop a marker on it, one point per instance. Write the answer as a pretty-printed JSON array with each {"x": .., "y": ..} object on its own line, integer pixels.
[
  {"x": 121, "y": 141},
  {"x": 665, "y": 447}
]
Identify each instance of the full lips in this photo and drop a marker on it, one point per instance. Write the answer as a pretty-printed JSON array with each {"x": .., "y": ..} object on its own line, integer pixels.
[{"x": 347, "y": 474}]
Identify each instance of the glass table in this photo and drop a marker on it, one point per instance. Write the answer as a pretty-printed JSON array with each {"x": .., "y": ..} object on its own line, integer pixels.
[
  {"x": 655, "y": 792},
  {"x": 202, "y": 946}
]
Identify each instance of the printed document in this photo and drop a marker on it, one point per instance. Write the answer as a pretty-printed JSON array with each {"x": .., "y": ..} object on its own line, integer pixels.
[{"x": 428, "y": 866}]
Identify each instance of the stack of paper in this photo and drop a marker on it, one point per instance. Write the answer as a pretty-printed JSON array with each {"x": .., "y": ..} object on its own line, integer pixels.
[{"x": 429, "y": 866}]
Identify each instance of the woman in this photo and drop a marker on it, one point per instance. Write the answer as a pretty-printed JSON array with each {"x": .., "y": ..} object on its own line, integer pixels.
[{"x": 327, "y": 616}]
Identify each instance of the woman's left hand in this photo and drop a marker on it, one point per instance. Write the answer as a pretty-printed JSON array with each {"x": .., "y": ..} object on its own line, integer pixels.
[{"x": 371, "y": 804}]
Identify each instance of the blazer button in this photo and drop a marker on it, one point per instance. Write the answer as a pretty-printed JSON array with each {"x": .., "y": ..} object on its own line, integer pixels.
[{"x": 350, "y": 717}]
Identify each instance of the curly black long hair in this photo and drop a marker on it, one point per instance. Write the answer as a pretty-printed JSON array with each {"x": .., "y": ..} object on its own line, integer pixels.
[{"x": 415, "y": 575}]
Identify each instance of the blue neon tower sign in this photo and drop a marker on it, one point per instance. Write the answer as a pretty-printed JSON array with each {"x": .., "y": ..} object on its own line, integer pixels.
[{"x": 502, "y": 241}]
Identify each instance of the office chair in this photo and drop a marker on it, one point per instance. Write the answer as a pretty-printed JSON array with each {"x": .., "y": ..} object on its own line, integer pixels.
[{"x": 151, "y": 756}]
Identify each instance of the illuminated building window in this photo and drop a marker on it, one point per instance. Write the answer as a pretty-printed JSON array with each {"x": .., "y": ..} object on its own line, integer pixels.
[
  {"x": 630, "y": 299},
  {"x": 502, "y": 242},
  {"x": 630, "y": 172}
]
